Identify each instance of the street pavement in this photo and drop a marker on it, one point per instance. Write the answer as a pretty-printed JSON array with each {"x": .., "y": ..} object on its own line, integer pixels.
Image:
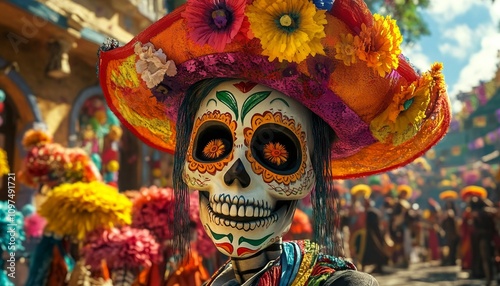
[{"x": 421, "y": 274}]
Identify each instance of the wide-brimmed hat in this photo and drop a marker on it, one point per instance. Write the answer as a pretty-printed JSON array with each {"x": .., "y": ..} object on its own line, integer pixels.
[
  {"x": 361, "y": 190},
  {"x": 342, "y": 63},
  {"x": 405, "y": 189},
  {"x": 473, "y": 191},
  {"x": 448, "y": 195}
]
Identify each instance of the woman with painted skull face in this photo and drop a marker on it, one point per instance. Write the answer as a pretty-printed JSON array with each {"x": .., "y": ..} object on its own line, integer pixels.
[{"x": 264, "y": 102}]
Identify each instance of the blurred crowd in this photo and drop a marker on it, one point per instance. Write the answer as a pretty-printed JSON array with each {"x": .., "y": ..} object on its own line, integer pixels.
[{"x": 389, "y": 228}]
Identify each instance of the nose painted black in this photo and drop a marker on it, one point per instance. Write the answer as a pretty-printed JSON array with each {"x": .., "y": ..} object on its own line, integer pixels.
[{"x": 237, "y": 172}]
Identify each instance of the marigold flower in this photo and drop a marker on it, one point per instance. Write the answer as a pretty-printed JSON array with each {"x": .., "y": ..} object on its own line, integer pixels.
[
  {"x": 380, "y": 44},
  {"x": 84, "y": 207}
]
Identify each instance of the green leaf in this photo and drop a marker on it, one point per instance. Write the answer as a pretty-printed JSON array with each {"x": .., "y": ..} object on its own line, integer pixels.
[
  {"x": 229, "y": 100},
  {"x": 252, "y": 101}
]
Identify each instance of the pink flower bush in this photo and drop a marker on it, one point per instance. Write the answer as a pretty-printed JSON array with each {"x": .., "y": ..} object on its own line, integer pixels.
[
  {"x": 153, "y": 209},
  {"x": 121, "y": 248}
]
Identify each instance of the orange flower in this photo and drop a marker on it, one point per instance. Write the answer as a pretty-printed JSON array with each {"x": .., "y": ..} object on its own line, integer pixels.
[
  {"x": 214, "y": 149},
  {"x": 380, "y": 44},
  {"x": 34, "y": 138},
  {"x": 275, "y": 153}
]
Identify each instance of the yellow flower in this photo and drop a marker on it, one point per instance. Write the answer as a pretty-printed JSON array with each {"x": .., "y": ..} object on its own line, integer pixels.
[
  {"x": 288, "y": 29},
  {"x": 4, "y": 164},
  {"x": 346, "y": 49},
  {"x": 275, "y": 153},
  {"x": 380, "y": 44},
  {"x": 214, "y": 149},
  {"x": 76, "y": 209},
  {"x": 404, "y": 115}
]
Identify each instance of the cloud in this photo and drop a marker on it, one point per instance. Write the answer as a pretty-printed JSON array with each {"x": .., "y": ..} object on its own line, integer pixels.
[
  {"x": 495, "y": 11},
  {"x": 482, "y": 65},
  {"x": 447, "y": 10},
  {"x": 462, "y": 37},
  {"x": 417, "y": 57}
]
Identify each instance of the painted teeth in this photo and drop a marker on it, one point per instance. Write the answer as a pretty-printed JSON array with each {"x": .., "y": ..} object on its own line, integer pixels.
[
  {"x": 263, "y": 222},
  {"x": 237, "y": 206}
]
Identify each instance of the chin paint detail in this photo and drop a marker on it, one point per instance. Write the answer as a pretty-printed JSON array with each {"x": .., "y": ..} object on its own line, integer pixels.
[{"x": 276, "y": 148}]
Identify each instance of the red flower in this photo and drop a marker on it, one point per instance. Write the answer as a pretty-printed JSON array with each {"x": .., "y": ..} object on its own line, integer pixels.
[{"x": 214, "y": 22}]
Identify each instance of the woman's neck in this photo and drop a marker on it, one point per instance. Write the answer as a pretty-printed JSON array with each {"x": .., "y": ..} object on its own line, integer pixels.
[{"x": 246, "y": 268}]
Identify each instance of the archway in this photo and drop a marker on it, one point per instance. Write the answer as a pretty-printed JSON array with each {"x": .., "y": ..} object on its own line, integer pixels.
[
  {"x": 94, "y": 128},
  {"x": 20, "y": 113}
]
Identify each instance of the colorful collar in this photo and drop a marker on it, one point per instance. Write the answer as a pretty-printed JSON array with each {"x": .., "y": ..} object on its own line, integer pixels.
[{"x": 301, "y": 263}]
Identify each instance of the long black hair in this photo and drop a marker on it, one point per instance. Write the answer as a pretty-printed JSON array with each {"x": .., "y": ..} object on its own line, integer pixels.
[{"x": 184, "y": 126}]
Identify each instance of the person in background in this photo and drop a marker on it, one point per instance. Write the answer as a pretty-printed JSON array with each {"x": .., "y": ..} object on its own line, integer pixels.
[
  {"x": 449, "y": 224},
  {"x": 376, "y": 248}
]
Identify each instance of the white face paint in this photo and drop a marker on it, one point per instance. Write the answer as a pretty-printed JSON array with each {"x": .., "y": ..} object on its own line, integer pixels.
[{"x": 249, "y": 155}]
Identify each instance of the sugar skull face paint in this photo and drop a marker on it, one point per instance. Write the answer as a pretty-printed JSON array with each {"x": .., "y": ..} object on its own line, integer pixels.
[{"x": 249, "y": 156}]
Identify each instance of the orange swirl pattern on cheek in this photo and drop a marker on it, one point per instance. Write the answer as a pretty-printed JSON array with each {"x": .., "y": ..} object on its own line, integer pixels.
[{"x": 211, "y": 167}]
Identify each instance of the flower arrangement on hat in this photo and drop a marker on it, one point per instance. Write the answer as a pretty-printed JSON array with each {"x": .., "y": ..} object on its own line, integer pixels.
[
  {"x": 4, "y": 164},
  {"x": 126, "y": 251},
  {"x": 342, "y": 56},
  {"x": 76, "y": 209}
]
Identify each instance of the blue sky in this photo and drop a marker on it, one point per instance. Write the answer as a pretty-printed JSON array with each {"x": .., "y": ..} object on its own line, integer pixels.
[{"x": 465, "y": 37}]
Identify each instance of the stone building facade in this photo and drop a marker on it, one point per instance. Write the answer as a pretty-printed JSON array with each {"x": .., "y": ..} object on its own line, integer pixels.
[{"x": 48, "y": 56}]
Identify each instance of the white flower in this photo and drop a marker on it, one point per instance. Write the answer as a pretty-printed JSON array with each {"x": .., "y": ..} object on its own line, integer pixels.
[{"x": 152, "y": 64}]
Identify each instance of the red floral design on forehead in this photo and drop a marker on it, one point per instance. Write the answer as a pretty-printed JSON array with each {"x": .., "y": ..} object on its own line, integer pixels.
[{"x": 245, "y": 86}]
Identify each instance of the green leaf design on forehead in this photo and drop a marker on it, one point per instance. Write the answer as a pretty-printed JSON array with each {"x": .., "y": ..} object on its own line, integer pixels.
[
  {"x": 229, "y": 100},
  {"x": 252, "y": 101}
]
